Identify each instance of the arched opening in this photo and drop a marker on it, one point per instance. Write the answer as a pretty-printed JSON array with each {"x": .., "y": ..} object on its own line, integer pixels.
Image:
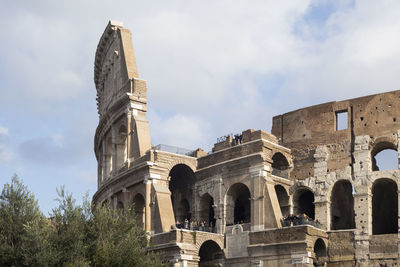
[
  {"x": 181, "y": 187},
  {"x": 207, "y": 211},
  {"x": 121, "y": 145},
  {"x": 109, "y": 157},
  {"x": 280, "y": 165},
  {"x": 384, "y": 207},
  {"x": 320, "y": 253},
  {"x": 304, "y": 202},
  {"x": 139, "y": 205},
  {"x": 210, "y": 254},
  {"x": 238, "y": 204},
  {"x": 342, "y": 206},
  {"x": 283, "y": 199},
  {"x": 384, "y": 157}
]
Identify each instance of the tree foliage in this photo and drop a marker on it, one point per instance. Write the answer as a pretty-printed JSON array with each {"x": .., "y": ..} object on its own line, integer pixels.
[{"x": 74, "y": 235}]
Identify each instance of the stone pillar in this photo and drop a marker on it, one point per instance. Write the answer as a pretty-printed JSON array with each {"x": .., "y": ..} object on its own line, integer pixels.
[
  {"x": 220, "y": 218},
  {"x": 128, "y": 136},
  {"x": 147, "y": 207},
  {"x": 114, "y": 149},
  {"x": 104, "y": 159},
  {"x": 321, "y": 203},
  {"x": 219, "y": 206},
  {"x": 322, "y": 212},
  {"x": 363, "y": 220},
  {"x": 362, "y": 199},
  {"x": 257, "y": 184}
]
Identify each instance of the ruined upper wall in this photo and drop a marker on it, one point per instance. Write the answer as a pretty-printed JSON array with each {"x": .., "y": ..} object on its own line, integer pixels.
[
  {"x": 115, "y": 70},
  {"x": 304, "y": 129}
]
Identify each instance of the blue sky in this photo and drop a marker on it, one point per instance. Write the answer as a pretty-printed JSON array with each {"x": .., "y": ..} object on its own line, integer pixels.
[{"x": 212, "y": 68}]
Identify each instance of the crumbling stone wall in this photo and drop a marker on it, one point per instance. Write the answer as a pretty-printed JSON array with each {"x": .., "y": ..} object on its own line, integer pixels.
[{"x": 312, "y": 166}]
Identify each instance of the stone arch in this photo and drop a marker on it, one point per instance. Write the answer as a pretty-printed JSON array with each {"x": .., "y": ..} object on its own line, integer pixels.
[
  {"x": 280, "y": 165},
  {"x": 384, "y": 206},
  {"x": 320, "y": 252},
  {"x": 191, "y": 163},
  {"x": 181, "y": 181},
  {"x": 210, "y": 254},
  {"x": 238, "y": 209},
  {"x": 121, "y": 146},
  {"x": 283, "y": 199},
  {"x": 382, "y": 146},
  {"x": 303, "y": 201},
  {"x": 206, "y": 211},
  {"x": 342, "y": 206},
  {"x": 139, "y": 207}
]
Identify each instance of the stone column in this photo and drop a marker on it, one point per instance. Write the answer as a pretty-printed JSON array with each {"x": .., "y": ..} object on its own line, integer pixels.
[
  {"x": 128, "y": 136},
  {"x": 363, "y": 220},
  {"x": 257, "y": 184},
  {"x": 114, "y": 149},
  {"x": 321, "y": 203},
  {"x": 147, "y": 206},
  {"x": 104, "y": 159},
  {"x": 219, "y": 206},
  {"x": 362, "y": 199},
  {"x": 322, "y": 212},
  {"x": 220, "y": 218}
]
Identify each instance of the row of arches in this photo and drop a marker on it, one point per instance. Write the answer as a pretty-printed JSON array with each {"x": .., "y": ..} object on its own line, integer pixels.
[
  {"x": 238, "y": 208},
  {"x": 384, "y": 205}
]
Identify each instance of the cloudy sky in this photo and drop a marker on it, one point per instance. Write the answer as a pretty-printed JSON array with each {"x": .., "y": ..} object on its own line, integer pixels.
[{"x": 212, "y": 68}]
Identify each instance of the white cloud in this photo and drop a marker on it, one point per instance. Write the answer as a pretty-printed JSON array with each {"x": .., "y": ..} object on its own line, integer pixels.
[
  {"x": 6, "y": 154},
  {"x": 3, "y": 130},
  {"x": 57, "y": 140},
  {"x": 212, "y": 67},
  {"x": 180, "y": 130}
]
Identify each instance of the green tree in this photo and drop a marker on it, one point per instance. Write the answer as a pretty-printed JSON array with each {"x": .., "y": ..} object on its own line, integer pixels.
[
  {"x": 74, "y": 235},
  {"x": 69, "y": 236},
  {"x": 117, "y": 240},
  {"x": 18, "y": 210}
]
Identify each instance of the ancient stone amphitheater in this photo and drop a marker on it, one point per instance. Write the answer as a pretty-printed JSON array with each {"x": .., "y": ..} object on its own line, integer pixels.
[{"x": 310, "y": 193}]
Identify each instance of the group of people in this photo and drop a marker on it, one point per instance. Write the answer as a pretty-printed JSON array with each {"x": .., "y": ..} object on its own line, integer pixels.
[
  {"x": 298, "y": 219},
  {"x": 238, "y": 139},
  {"x": 195, "y": 225}
]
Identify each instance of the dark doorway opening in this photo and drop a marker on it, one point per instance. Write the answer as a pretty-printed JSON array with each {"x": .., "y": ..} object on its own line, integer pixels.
[
  {"x": 320, "y": 253},
  {"x": 181, "y": 187},
  {"x": 139, "y": 205},
  {"x": 305, "y": 203},
  {"x": 210, "y": 254},
  {"x": 384, "y": 207},
  {"x": 342, "y": 206},
  {"x": 238, "y": 204}
]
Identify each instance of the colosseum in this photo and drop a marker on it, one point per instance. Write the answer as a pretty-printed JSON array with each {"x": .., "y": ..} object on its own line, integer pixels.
[{"x": 310, "y": 193}]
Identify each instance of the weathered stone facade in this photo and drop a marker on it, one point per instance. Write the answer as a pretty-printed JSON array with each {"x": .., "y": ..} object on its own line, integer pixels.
[{"x": 248, "y": 187}]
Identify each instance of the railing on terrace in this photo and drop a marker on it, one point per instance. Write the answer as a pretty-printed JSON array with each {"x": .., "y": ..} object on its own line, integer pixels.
[
  {"x": 293, "y": 220},
  {"x": 202, "y": 228},
  {"x": 174, "y": 149}
]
